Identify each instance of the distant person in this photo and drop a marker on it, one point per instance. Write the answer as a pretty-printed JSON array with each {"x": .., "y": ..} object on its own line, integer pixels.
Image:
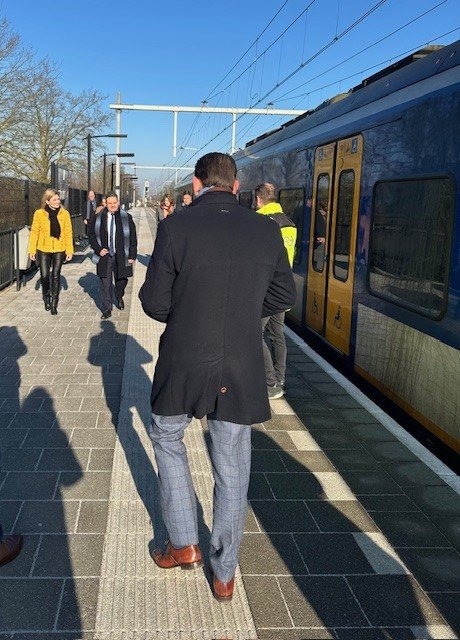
[
  {"x": 273, "y": 326},
  {"x": 211, "y": 278},
  {"x": 166, "y": 206},
  {"x": 10, "y": 547},
  {"x": 90, "y": 207},
  {"x": 112, "y": 235},
  {"x": 51, "y": 244},
  {"x": 186, "y": 201},
  {"x": 102, "y": 205}
]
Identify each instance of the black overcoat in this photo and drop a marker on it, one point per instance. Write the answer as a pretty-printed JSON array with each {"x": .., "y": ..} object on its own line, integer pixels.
[
  {"x": 123, "y": 270},
  {"x": 216, "y": 269}
]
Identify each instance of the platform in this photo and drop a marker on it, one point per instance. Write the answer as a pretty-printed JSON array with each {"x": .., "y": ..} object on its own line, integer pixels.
[{"x": 353, "y": 530}]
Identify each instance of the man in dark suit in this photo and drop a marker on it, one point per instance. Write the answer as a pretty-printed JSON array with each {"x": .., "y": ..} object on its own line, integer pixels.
[
  {"x": 112, "y": 235},
  {"x": 216, "y": 269}
]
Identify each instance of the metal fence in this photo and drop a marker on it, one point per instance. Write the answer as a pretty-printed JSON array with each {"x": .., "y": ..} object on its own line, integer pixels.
[{"x": 9, "y": 245}]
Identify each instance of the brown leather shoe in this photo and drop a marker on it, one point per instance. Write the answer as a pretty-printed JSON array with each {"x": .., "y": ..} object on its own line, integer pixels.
[
  {"x": 223, "y": 591},
  {"x": 10, "y": 546},
  {"x": 186, "y": 558}
]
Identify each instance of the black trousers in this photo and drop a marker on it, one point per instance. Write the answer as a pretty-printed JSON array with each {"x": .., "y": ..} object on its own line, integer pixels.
[
  {"x": 50, "y": 264},
  {"x": 107, "y": 284}
]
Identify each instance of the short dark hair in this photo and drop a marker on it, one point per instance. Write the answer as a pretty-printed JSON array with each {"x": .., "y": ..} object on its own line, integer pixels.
[
  {"x": 111, "y": 194},
  {"x": 216, "y": 169},
  {"x": 266, "y": 192}
]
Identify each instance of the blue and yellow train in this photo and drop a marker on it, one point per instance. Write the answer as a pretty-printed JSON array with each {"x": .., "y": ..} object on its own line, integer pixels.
[{"x": 371, "y": 179}]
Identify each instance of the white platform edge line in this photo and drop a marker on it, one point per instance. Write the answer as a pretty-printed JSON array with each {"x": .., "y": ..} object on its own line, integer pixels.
[{"x": 422, "y": 453}]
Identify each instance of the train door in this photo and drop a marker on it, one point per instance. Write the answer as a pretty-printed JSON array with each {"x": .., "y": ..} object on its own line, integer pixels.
[
  {"x": 344, "y": 227},
  {"x": 319, "y": 236},
  {"x": 333, "y": 240}
]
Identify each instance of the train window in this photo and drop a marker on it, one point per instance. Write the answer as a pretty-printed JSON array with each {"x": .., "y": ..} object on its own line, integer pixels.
[
  {"x": 319, "y": 232},
  {"x": 292, "y": 202},
  {"x": 410, "y": 243},
  {"x": 343, "y": 225},
  {"x": 245, "y": 199}
]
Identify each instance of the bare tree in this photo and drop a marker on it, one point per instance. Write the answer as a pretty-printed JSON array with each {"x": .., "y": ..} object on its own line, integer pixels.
[{"x": 54, "y": 124}]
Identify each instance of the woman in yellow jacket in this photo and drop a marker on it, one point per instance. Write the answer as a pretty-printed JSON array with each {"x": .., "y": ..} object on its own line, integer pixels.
[{"x": 51, "y": 244}]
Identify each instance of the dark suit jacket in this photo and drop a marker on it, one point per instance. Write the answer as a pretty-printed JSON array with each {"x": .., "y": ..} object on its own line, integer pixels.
[
  {"x": 216, "y": 269},
  {"x": 123, "y": 271}
]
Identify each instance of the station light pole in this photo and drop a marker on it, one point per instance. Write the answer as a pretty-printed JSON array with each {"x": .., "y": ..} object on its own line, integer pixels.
[
  {"x": 105, "y": 156},
  {"x": 88, "y": 139}
]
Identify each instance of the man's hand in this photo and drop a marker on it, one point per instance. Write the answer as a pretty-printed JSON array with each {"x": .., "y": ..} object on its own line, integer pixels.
[
  {"x": 85, "y": 221},
  {"x": 103, "y": 252},
  {"x": 131, "y": 260},
  {"x": 69, "y": 257}
]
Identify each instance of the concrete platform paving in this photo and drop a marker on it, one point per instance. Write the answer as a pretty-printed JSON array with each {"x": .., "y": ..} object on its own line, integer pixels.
[{"x": 349, "y": 534}]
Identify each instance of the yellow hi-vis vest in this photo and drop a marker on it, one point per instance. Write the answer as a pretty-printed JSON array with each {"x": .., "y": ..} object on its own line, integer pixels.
[{"x": 287, "y": 227}]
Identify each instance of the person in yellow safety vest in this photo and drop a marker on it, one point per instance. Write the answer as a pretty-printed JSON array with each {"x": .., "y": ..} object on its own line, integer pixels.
[{"x": 273, "y": 326}]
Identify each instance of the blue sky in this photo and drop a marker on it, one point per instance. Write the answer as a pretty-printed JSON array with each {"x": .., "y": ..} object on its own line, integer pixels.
[{"x": 176, "y": 52}]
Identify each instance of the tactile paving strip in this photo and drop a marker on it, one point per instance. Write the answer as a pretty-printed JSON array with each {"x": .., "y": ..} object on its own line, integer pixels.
[{"x": 138, "y": 601}]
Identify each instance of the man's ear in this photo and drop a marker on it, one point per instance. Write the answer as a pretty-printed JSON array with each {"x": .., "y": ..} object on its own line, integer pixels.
[
  {"x": 197, "y": 185},
  {"x": 236, "y": 186}
]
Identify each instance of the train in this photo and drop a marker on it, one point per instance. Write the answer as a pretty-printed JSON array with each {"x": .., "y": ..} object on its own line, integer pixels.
[{"x": 371, "y": 180}]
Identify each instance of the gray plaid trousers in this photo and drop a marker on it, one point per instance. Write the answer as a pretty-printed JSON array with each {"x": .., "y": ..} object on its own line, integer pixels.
[{"x": 231, "y": 465}]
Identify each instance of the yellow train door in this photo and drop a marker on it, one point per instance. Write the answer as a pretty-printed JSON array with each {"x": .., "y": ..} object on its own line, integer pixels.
[
  {"x": 319, "y": 237},
  {"x": 344, "y": 225}
]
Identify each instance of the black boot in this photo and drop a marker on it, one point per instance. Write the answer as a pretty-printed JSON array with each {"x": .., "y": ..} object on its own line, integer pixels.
[
  {"x": 54, "y": 297},
  {"x": 47, "y": 301}
]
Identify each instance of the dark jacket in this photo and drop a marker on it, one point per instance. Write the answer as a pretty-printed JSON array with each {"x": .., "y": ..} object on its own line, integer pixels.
[
  {"x": 123, "y": 270},
  {"x": 216, "y": 269}
]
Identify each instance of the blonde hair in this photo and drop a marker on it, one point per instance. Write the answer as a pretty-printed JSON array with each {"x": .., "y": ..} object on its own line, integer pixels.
[{"x": 49, "y": 193}]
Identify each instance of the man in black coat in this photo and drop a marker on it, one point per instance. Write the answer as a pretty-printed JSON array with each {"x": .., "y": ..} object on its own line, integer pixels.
[
  {"x": 112, "y": 235},
  {"x": 216, "y": 269}
]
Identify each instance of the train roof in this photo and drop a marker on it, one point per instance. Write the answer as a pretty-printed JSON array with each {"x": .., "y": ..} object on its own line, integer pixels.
[{"x": 420, "y": 65}]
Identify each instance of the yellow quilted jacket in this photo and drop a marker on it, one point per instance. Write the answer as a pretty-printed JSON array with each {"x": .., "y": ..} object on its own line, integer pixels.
[{"x": 40, "y": 236}]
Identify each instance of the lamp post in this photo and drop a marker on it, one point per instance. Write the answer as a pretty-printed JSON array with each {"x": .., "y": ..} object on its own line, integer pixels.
[
  {"x": 117, "y": 155},
  {"x": 126, "y": 177},
  {"x": 88, "y": 142}
]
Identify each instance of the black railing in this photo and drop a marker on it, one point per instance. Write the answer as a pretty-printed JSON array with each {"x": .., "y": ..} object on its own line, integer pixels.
[{"x": 9, "y": 267}]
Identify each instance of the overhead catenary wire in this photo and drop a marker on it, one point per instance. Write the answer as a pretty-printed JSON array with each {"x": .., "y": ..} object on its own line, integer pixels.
[{"x": 329, "y": 44}]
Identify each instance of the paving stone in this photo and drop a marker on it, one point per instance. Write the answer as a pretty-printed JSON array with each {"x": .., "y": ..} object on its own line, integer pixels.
[
  {"x": 435, "y": 501},
  {"x": 77, "y": 419},
  {"x": 47, "y": 516},
  {"x": 411, "y": 529},
  {"x": 295, "y": 634},
  {"x": 266, "y": 461},
  {"x": 70, "y": 459},
  {"x": 413, "y": 473},
  {"x": 279, "y": 553},
  {"x": 341, "y": 516},
  {"x": 69, "y": 555},
  {"x": 9, "y": 510},
  {"x": 391, "y": 503},
  {"x": 357, "y": 416},
  {"x": 101, "y": 460},
  {"x": 370, "y": 483},
  {"x": 375, "y": 634},
  {"x": 295, "y": 486},
  {"x": 52, "y": 438},
  {"x": 22, "y": 564},
  {"x": 334, "y": 439},
  {"x": 259, "y": 489},
  {"x": 447, "y": 605},
  {"x": 371, "y": 432},
  {"x": 29, "y": 604},
  {"x": 28, "y": 486},
  {"x": 321, "y": 601},
  {"x": 274, "y": 440},
  {"x": 393, "y": 601},
  {"x": 298, "y": 392},
  {"x": 267, "y": 603},
  {"x": 93, "y": 438},
  {"x": 93, "y": 516},
  {"x": 79, "y": 602},
  {"x": 18, "y": 459},
  {"x": 450, "y": 527},
  {"x": 435, "y": 569},
  {"x": 392, "y": 452},
  {"x": 328, "y": 553},
  {"x": 105, "y": 420},
  {"x": 279, "y": 517},
  {"x": 306, "y": 461},
  {"x": 352, "y": 460},
  {"x": 316, "y": 420},
  {"x": 5, "y": 420},
  {"x": 284, "y": 423},
  {"x": 94, "y": 485},
  {"x": 14, "y": 405},
  {"x": 61, "y": 404},
  {"x": 305, "y": 365}
]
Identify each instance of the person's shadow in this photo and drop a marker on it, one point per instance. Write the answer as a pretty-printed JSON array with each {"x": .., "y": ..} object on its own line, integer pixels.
[
  {"x": 332, "y": 570},
  {"x": 45, "y": 557},
  {"x": 134, "y": 401},
  {"x": 90, "y": 283}
]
